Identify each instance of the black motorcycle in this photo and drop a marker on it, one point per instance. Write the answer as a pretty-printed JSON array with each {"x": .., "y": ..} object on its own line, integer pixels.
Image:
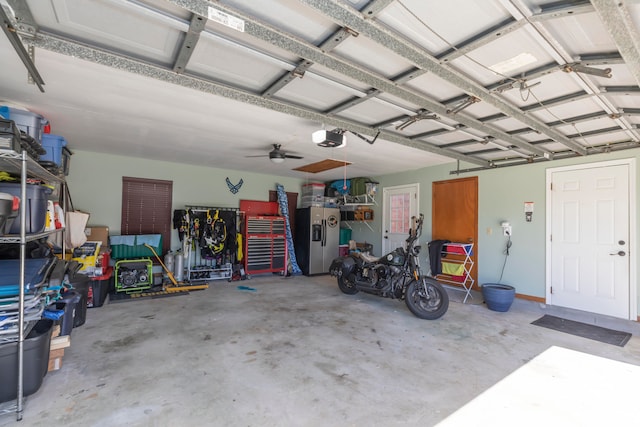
[{"x": 395, "y": 275}]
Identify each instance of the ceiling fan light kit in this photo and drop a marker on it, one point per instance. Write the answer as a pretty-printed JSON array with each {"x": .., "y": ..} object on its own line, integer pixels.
[
  {"x": 326, "y": 138},
  {"x": 277, "y": 155}
]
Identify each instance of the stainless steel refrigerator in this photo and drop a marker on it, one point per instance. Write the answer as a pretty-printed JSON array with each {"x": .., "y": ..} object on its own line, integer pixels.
[{"x": 317, "y": 239}]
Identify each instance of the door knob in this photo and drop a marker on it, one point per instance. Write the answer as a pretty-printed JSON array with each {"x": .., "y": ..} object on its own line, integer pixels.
[{"x": 619, "y": 253}]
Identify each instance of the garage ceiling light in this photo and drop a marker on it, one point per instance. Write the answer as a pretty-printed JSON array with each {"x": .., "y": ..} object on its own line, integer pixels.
[{"x": 511, "y": 64}]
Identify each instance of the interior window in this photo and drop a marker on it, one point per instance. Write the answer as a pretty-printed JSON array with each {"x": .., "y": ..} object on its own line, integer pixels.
[{"x": 146, "y": 208}]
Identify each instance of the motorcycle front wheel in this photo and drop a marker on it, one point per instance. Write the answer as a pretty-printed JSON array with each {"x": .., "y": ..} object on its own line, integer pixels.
[{"x": 430, "y": 303}]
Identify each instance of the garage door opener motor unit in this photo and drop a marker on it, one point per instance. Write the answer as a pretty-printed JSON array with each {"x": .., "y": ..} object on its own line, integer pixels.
[{"x": 133, "y": 275}]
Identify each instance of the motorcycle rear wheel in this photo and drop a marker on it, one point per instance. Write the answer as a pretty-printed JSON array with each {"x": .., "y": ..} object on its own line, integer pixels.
[
  {"x": 430, "y": 305},
  {"x": 346, "y": 286}
]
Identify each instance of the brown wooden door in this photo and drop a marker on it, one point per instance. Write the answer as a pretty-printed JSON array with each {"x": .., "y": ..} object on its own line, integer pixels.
[{"x": 455, "y": 214}]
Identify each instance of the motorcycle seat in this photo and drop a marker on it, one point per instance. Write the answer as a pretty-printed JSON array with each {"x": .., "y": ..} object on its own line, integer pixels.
[{"x": 367, "y": 257}]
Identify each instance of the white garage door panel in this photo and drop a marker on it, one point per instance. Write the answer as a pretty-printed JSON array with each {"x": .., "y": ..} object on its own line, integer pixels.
[{"x": 120, "y": 26}]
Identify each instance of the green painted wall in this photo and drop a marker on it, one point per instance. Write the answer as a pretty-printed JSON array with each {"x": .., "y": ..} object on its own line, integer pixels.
[
  {"x": 95, "y": 183},
  {"x": 502, "y": 193}
]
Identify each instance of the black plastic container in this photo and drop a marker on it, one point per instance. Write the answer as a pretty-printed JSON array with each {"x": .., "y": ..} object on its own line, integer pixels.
[
  {"x": 99, "y": 288},
  {"x": 7, "y": 213},
  {"x": 9, "y": 135},
  {"x": 80, "y": 284},
  {"x": 35, "y": 357},
  {"x": 35, "y": 205},
  {"x": 69, "y": 304}
]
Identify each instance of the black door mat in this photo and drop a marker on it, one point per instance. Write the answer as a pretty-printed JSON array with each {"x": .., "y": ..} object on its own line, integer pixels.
[
  {"x": 597, "y": 333},
  {"x": 124, "y": 297}
]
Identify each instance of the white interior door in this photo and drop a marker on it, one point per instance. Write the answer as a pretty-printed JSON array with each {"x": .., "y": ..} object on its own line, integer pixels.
[
  {"x": 589, "y": 239},
  {"x": 400, "y": 204}
]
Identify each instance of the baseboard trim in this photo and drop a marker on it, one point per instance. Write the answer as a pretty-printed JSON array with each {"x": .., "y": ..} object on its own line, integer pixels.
[{"x": 531, "y": 298}]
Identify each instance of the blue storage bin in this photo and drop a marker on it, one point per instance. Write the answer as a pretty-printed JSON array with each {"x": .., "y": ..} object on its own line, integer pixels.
[
  {"x": 54, "y": 145},
  {"x": 28, "y": 122}
]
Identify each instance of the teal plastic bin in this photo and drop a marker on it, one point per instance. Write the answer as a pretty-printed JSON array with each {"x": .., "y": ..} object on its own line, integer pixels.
[
  {"x": 125, "y": 247},
  {"x": 345, "y": 236}
]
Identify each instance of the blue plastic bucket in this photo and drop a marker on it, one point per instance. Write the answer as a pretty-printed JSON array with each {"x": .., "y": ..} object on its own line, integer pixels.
[{"x": 498, "y": 297}]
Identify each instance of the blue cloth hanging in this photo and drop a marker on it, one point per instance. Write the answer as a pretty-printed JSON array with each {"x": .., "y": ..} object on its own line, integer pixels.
[{"x": 284, "y": 208}]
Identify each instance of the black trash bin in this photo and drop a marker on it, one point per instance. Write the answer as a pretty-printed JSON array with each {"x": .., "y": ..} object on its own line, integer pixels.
[
  {"x": 80, "y": 283},
  {"x": 35, "y": 362},
  {"x": 69, "y": 304}
]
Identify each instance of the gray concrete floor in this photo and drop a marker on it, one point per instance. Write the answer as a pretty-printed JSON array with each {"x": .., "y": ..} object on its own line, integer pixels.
[{"x": 296, "y": 352}]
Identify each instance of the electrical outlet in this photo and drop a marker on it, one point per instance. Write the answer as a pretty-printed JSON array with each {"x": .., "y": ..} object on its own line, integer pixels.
[{"x": 506, "y": 230}]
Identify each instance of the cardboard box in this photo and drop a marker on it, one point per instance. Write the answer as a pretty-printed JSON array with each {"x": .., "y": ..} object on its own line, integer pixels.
[{"x": 98, "y": 233}]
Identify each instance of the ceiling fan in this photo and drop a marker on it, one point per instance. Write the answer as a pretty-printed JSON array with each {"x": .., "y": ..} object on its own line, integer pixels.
[{"x": 277, "y": 155}]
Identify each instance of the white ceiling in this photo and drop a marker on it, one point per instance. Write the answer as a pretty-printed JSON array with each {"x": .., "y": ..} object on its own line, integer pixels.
[{"x": 112, "y": 82}]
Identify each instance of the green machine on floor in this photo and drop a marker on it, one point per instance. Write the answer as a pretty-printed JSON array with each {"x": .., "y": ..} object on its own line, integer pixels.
[{"x": 133, "y": 275}]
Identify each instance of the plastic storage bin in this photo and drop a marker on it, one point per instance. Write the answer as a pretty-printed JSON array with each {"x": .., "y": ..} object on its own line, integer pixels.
[
  {"x": 99, "y": 288},
  {"x": 9, "y": 136},
  {"x": 36, "y": 206},
  {"x": 80, "y": 284},
  {"x": 30, "y": 123},
  {"x": 69, "y": 304},
  {"x": 123, "y": 247},
  {"x": 313, "y": 189},
  {"x": 35, "y": 359},
  {"x": 345, "y": 236},
  {"x": 54, "y": 145},
  {"x": 312, "y": 201},
  {"x": 66, "y": 160},
  {"x": 9, "y": 205}
]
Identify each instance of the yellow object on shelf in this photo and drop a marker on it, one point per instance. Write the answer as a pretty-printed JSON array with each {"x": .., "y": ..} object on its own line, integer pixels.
[
  {"x": 87, "y": 254},
  {"x": 452, "y": 269}
]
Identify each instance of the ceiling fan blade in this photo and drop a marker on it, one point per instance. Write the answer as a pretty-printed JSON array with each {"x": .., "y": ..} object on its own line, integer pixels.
[{"x": 276, "y": 153}]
